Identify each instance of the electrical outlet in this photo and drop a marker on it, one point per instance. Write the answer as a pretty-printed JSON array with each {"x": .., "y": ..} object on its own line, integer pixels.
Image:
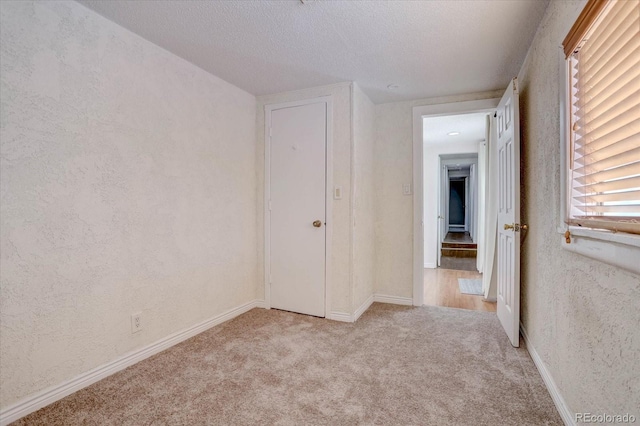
[{"x": 136, "y": 322}]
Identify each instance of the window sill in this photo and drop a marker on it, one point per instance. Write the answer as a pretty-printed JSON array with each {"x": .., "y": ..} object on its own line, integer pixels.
[{"x": 615, "y": 248}]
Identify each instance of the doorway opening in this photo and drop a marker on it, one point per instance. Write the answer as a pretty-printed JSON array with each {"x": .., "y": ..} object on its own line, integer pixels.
[
  {"x": 501, "y": 253},
  {"x": 455, "y": 142},
  {"x": 459, "y": 186},
  {"x": 458, "y": 204},
  {"x": 426, "y": 170}
]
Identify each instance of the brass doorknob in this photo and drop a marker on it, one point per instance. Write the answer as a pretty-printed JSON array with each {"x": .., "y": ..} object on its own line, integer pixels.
[
  {"x": 317, "y": 223},
  {"x": 507, "y": 226}
]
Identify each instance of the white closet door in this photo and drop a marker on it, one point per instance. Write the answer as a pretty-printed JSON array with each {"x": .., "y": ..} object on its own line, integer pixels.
[{"x": 297, "y": 200}]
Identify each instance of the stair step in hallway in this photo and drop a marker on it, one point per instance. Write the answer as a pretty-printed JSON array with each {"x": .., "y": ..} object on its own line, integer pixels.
[
  {"x": 449, "y": 245},
  {"x": 460, "y": 252},
  {"x": 459, "y": 244}
]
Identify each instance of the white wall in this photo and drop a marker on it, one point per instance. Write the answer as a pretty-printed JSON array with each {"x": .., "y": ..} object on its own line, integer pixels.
[
  {"x": 581, "y": 315},
  {"x": 393, "y": 167},
  {"x": 431, "y": 175},
  {"x": 363, "y": 198},
  {"x": 340, "y": 279},
  {"x": 127, "y": 184}
]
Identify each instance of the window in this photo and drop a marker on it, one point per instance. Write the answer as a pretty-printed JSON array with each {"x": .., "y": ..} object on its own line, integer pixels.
[{"x": 602, "y": 52}]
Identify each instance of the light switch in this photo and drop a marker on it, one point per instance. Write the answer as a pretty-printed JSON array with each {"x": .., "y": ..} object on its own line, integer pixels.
[
  {"x": 406, "y": 189},
  {"x": 337, "y": 193}
]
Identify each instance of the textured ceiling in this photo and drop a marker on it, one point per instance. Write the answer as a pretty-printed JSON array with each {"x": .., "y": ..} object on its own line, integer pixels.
[
  {"x": 429, "y": 48},
  {"x": 470, "y": 126}
]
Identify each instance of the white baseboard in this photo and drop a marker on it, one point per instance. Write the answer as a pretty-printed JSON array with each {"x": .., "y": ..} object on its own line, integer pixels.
[
  {"x": 430, "y": 265},
  {"x": 55, "y": 393},
  {"x": 381, "y": 298},
  {"x": 558, "y": 400},
  {"x": 340, "y": 316},
  {"x": 394, "y": 300},
  {"x": 259, "y": 304},
  {"x": 362, "y": 308}
]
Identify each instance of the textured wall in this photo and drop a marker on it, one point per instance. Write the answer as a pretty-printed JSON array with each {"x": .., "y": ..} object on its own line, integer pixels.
[
  {"x": 363, "y": 198},
  {"x": 393, "y": 167},
  {"x": 582, "y": 315},
  {"x": 341, "y": 246},
  {"x": 127, "y": 184}
]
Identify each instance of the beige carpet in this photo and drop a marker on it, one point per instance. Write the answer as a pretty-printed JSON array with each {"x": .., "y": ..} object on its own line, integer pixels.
[{"x": 395, "y": 366}]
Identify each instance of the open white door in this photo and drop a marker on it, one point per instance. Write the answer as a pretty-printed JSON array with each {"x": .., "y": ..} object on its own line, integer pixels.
[
  {"x": 441, "y": 206},
  {"x": 447, "y": 194},
  {"x": 474, "y": 203},
  {"x": 466, "y": 207},
  {"x": 507, "y": 118}
]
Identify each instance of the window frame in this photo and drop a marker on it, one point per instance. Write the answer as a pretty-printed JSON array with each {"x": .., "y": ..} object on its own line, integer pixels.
[{"x": 619, "y": 249}]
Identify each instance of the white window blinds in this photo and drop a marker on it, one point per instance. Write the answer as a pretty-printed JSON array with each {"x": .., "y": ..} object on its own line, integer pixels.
[{"x": 604, "y": 71}]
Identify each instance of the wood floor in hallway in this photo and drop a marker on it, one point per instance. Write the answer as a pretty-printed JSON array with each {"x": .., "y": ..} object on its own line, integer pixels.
[{"x": 441, "y": 289}]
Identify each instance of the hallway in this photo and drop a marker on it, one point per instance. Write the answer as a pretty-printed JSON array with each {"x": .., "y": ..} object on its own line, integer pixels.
[{"x": 441, "y": 289}]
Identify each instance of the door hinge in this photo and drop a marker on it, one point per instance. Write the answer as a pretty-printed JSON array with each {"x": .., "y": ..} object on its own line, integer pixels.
[
  {"x": 269, "y": 205},
  {"x": 269, "y": 131}
]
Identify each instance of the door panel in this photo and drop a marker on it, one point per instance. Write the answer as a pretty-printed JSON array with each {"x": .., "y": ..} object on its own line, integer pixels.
[
  {"x": 509, "y": 213},
  {"x": 298, "y": 198},
  {"x": 443, "y": 227}
]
